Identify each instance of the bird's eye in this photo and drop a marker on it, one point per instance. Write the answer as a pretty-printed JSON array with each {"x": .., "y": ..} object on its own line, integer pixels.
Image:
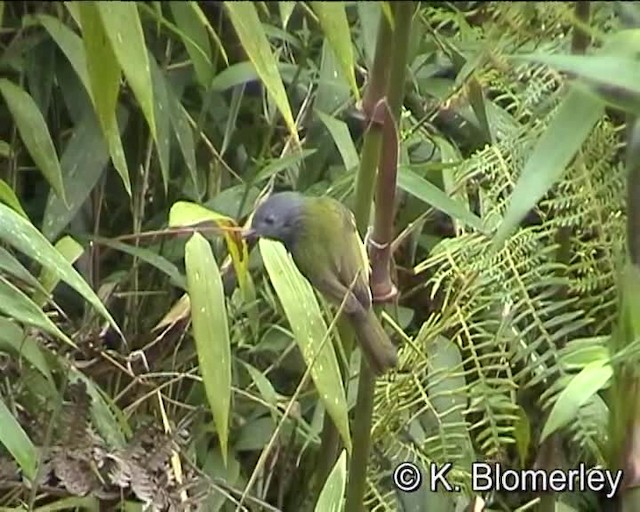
[{"x": 269, "y": 219}]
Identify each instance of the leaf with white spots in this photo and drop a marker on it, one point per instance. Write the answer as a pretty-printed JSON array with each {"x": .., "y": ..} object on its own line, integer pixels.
[
  {"x": 18, "y": 232},
  {"x": 124, "y": 30},
  {"x": 210, "y": 331},
  {"x": 332, "y": 495},
  {"x": 310, "y": 331}
]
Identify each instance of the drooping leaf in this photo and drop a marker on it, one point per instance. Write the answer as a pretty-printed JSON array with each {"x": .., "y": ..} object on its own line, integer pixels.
[
  {"x": 333, "y": 19},
  {"x": 103, "y": 72},
  {"x": 21, "y": 234},
  {"x": 184, "y": 213},
  {"x": 210, "y": 331},
  {"x": 310, "y": 332},
  {"x": 8, "y": 197},
  {"x": 197, "y": 44},
  {"x": 83, "y": 162},
  {"x": 34, "y": 133},
  {"x": 573, "y": 121},
  {"x": 12, "y": 338},
  {"x": 16, "y": 441},
  {"x": 246, "y": 23},
  {"x": 124, "y": 30},
  {"x": 15, "y": 304},
  {"x": 426, "y": 191},
  {"x": 580, "y": 389},
  {"x": 340, "y": 133},
  {"x": 71, "y": 251}
]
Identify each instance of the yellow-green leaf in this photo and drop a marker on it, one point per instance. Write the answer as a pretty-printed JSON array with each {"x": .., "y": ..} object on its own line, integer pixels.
[
  {"x": 103, "y": 72},
  {"x": 71, "y": 250},
  {"x": 34, "y": 133},
  {"x": 124, "y": 30},
  {"x": 246, "y": 23},
  {"x": 334, "y": 23},
  {"x": 8, "y": 197},
  {"x": 184, "y": 213},
  {"x": 310, "y": 331},
  {"x": 210, "y": 331}
]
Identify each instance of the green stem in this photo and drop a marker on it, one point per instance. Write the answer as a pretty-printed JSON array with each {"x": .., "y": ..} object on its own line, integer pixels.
[{"x": 388, "y": 51}]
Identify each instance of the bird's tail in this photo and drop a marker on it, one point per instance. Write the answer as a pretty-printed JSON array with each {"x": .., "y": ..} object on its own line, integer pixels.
[{"x": 381, "y": 354}]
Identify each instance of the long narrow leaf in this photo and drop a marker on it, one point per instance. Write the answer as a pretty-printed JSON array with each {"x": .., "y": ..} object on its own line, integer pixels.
[
  {"x": 310, "y": 331},
  {"x": 21, "y": 234},
  {"x": 34, "y": 133},
  {"x": 332, "y": 494},
  {"x": 210, "y": 331},
  {"x": 16, "y": 441},
  {"x": 572, "y": 123},
  {"x": 124, "y": 30},
  {"x": 103, "y": 72},
  {"x": 333, "y": 19},
  {"x": 246, "y": 23}
]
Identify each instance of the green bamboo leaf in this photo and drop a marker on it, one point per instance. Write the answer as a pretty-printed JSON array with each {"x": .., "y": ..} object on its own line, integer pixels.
[
  {"x": 310, "y": 331},
  {"x": 180, "y": 122},
  {"x": 34, "y": 133},
  {"x": 573, "y": 121},
  {"x": 71, "y": 251},
  {"x": 618, "y": 71},
  {"x": 16, "y": 441},
  {"x": 73, "y": 48},
  {"x": 426, "y": 191},
  {"x": 21, "y": 234},
  {"x": 210, "y": 331},
  {"x": 148, "y": 256},
  {"x": 163, "y": 121},
  {"x": 8, "y": 197},
  {"x": 83, "y": 162},
  {"x": 280, "y": 164},
  {"x": 197, "y": 45},
  {"x": 333, "y": 20},
  {"x": 580, "y": 389},
  {"x": 15, "y": 304},
  {"x": 12, "y": 338},
  {"x": 103, "y": 72},
  {"x": 332, "y": 494},
  {"x": 286, "y": 10},
  {"x": 246, "y": 23},
  {"x": 340, "y": 133},
  {"x": 124, "y": 30},
  {"x": 10, "y": 265}
]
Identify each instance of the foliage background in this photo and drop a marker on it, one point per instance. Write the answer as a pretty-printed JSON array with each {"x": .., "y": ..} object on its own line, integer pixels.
[{"x": 117, "y": 121}]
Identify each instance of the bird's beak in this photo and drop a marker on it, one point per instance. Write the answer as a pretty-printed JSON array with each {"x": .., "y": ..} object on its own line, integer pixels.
[{"x": 248, "y": 233}]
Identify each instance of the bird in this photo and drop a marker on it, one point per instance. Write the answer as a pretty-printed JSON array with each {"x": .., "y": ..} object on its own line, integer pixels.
[{"x": 321, "y": 236}]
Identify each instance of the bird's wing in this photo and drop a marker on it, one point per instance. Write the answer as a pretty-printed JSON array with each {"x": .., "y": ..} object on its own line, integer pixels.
[{"x": 352, "y": 259}]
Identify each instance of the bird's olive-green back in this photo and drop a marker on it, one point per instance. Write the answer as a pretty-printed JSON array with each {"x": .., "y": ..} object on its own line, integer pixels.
[{"x": 327, "y": 245}]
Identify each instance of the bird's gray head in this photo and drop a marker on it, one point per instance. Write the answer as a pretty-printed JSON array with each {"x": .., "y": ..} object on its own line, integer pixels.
[{"x": 278, "y": 218}]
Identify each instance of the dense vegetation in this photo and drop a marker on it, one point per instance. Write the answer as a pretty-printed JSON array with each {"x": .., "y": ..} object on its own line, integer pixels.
[{"x": 151, "y": 358}]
